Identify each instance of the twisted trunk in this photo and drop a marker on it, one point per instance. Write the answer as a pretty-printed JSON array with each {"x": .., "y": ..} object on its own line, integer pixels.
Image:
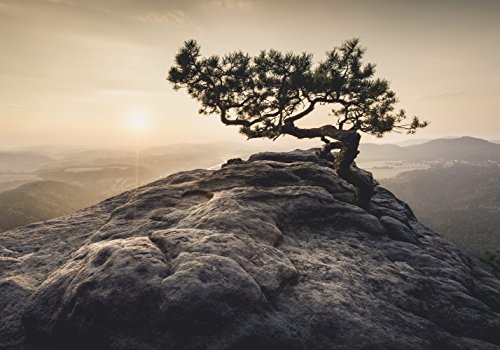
[
  {"x": 348, "y": 151},
  {"x": 342, "y": 165}
]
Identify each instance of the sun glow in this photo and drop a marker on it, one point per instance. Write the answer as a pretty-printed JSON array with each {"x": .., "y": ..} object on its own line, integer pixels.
[{"x": 138, "y": 123}]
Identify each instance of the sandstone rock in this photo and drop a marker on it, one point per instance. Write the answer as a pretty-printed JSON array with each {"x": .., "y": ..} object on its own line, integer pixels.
[{"x": 267, "y": 253}]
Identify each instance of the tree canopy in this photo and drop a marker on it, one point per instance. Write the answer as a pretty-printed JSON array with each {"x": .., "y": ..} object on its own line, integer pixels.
[{"x": 265, "y": 95}]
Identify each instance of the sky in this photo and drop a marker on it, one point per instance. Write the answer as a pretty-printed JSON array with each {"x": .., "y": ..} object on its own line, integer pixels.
[{"x": 87, "y": 71}]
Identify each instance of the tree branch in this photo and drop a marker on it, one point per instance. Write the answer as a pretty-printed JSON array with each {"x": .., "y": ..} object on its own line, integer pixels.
[{"x": 322, "y": 131}]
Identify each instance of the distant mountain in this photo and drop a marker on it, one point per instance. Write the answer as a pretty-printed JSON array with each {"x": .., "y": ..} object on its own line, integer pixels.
[
  {"x": 175, "y": 157},
  {"x": 374, "y": 152},
  {"x": 22, "y": 162},
  {"x": 102, "y": 182},
  {"x": 462, "y": 148},
  {"x": 110, "y": 172},
  {"x": 179, "y": 148},
  {"x": 93, "y": 155},
  {"x": 40, "y": 201},
  {"x": 461, "y": 202},
  {"x": 161, "y": 159},
  {"x": 412, "y": 142},
  {"x": 55, "y": 151}
]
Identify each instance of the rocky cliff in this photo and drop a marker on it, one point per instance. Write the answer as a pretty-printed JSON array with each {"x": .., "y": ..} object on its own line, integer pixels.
[{"x": 262, "y": 254}]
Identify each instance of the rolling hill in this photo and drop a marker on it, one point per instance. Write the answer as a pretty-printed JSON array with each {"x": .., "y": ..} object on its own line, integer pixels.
[{"x": 40, "y": 201}]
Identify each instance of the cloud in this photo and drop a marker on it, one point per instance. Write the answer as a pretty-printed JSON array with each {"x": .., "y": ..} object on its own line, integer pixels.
[
  {"x": 472, "y": 92},
  {"x": 14, "y": 106},
  {"x": 444, "y": 62},
  {"x": 176, "y": 17},
  {"x": 130, "y": 92},
  {"x": 6, "y": 8},
  {"x": 444, "y": 94},
  {"x": 230, "y": 4},
  {"x": 65, "y": 2}
]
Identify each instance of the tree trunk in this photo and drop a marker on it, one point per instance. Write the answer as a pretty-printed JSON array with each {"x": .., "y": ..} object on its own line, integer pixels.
[
  {"x": 348, "y": 145},
  {"x": 342, "y": 165}
]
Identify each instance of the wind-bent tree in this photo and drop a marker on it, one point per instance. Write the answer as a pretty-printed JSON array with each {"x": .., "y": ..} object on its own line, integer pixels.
[{"x": 268, "y": 94}]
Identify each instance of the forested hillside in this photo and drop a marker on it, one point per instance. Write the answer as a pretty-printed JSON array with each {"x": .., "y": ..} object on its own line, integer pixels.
[
  {"x": 40, "y": 201},
  {"x": 461, "y": 202}
]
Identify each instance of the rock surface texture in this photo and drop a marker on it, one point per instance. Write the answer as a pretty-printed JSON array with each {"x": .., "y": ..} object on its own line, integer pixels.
[{"x": 262, "y": 254}]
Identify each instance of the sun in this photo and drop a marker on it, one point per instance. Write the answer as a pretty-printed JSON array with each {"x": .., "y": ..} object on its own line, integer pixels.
[{"x": 138, "y": 123}]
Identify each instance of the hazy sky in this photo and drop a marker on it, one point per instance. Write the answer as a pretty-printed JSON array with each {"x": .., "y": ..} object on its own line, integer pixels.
[{"x": 76, "y": 71}]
